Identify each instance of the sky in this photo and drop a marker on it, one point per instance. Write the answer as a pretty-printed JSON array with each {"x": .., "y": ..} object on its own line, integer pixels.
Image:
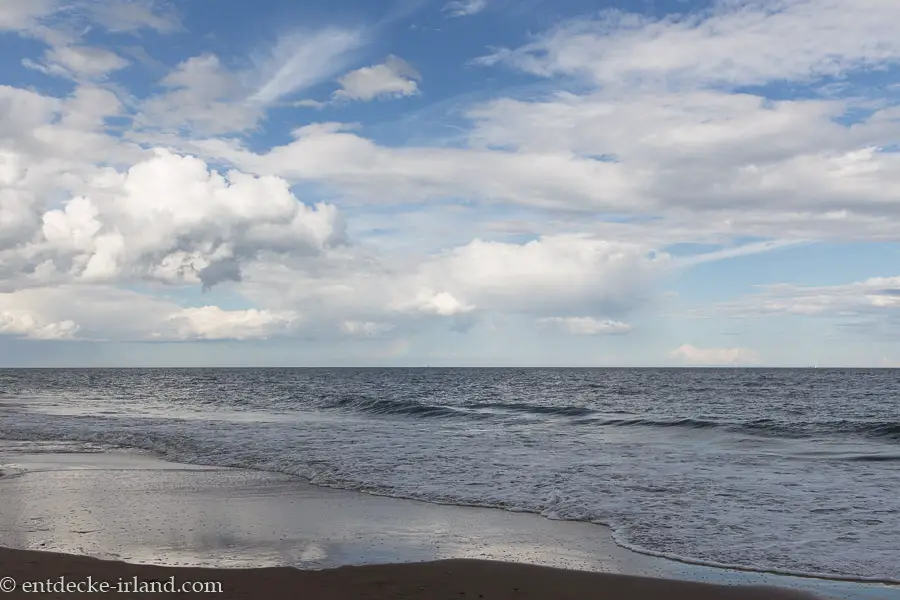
[{"x": 449, "y": 183}]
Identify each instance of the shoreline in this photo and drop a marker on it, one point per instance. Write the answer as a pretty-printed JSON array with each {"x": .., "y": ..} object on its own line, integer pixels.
[
  {"x": 687, "y": 561},
  {"x": 224, "y": 517}
]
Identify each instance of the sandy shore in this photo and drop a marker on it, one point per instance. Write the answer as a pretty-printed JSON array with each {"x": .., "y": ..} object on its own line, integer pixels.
[
  {"x": 450, "y": 579},
  {"x": 153, "y": 519}
]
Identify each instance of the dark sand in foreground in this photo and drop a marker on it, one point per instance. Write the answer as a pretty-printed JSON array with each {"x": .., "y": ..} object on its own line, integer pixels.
[{"x": 449, "y": 579}]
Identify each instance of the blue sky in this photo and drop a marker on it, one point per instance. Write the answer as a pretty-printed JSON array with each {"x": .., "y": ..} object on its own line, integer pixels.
[{"x": 425, "y": 182}]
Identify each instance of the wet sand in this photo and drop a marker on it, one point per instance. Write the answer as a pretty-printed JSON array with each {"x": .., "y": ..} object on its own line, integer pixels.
[{"x": 138, "y": 509}]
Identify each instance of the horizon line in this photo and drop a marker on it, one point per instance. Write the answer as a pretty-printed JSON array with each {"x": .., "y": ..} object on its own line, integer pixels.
[{"x": 733, "y": 367}]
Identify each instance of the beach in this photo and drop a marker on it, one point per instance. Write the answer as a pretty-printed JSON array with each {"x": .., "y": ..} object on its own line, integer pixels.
[{"x": 145, "y": 519}]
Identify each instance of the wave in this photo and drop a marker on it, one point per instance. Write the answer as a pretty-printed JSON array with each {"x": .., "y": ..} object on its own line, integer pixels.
[
  {"x": 888, "y": 430},
  {"x": 414, "y": 408},
  {"x": 874, "y": 458},
  {"x": 536, "y": 409},
  {"x": 381, "y": 406},
  {"x": 586, "y": 416},
  {"x": 648, "y": 422}
]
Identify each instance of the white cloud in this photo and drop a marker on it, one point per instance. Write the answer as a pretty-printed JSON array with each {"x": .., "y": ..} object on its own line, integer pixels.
[
  {"x": 309, "y": 103},
  {"x": 548, "y": 277},
  {"x": 133, "y": 15},
  {"x": 738, "y": 250},
  {"x": 429, "y": 302},
  {"x": 214, "y": 323},
  {"x": 19, "y": 15},
  {"x": 171, "y": 219},
  {"x": 365, "y": 328},
  {"x": 554, "y": 273},
  {"x": 57, "y": 22},
  {"x": 586, "y": 325},
  {"x": 874, "y": 297},
  {"x": 711, "y": 150},
  {"x": 392, "y": 78},
  {"x": 661, "y": 110},
  {"x": 736, "y": 43},
  {"x": 752, "y": 167},
  {"x": 713, "y": 356},
  {"x": 206, "y": 97},
  {"x": 464, "y": 8},
  {"x": 360, "y": 168},
  {"x": 79, "y": 61},
  {"x": 59, "y": 138},
  {"x": 670, "y": 129},
  {"x": 302, "y": 59},
  {"x": 105, "y": 313},
  {"x": 203, "y": 96},
  {"x": 23, "y": 323}
]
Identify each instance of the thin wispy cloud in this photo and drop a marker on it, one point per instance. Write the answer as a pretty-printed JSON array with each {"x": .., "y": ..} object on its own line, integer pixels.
[{"x": 302, "y": 59}]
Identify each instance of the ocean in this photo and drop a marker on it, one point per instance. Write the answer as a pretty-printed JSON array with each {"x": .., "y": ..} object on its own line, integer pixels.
[{"x": 783, "y": 470}]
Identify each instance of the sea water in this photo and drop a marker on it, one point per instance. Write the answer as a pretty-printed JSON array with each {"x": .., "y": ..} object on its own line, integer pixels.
[{"x": 794, "y": 471}]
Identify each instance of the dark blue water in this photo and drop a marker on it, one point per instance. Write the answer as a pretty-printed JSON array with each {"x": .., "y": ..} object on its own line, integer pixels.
[{"x": 782, "y": 470}]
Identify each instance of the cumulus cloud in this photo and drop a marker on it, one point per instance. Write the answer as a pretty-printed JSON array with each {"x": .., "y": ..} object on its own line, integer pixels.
[
  {"x": 214, "y": 323},
  {"x": 713, "y": 356},
  {"x": 392, "y": 78},
  {"x": 171, "y": 219},
  {"x": 558, "y": 276},
  {"x": 586, "y": 325},
  {"x": 23, "y": 323},
  {"x": 551, "y": 274}
]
